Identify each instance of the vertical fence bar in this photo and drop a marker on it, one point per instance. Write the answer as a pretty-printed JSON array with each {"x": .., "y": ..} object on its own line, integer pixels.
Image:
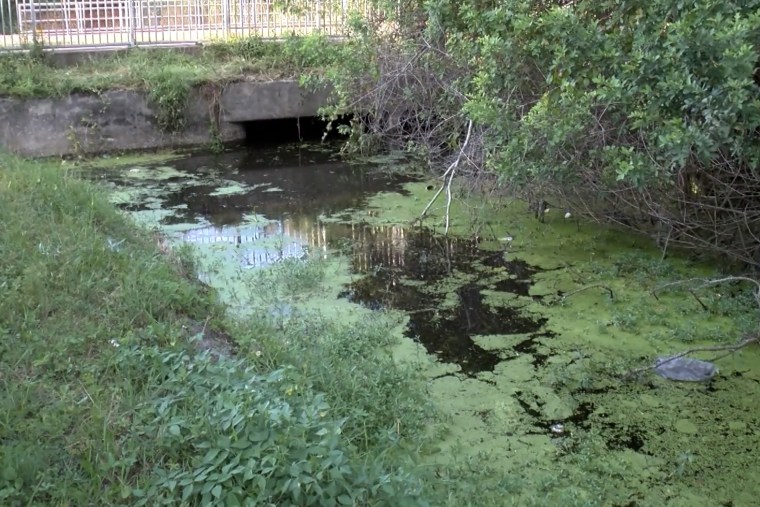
[
  {"x": 132, "y": 23},
  {"x": 258, "y": 19},
  {"x": 226, "y": 19},
  {"x": 33, "y": 12},
  {"x": 6, "y": 27},
  {"x": 136, "y": 22}
]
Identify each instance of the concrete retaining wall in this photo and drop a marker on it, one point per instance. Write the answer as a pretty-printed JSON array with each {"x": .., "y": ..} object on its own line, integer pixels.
[{"x": 126, "y": 120}]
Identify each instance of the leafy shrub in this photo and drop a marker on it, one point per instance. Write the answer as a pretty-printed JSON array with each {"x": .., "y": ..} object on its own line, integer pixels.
[
  {"x": 642, "y": 113},
  {"x": 230, "y": 436}
]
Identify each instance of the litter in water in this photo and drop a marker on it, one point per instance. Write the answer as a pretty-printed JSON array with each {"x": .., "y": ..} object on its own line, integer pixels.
[{"x": 684, "y": 369}]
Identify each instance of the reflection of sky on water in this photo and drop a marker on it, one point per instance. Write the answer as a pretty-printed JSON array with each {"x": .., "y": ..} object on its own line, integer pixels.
[
  {"x": 262, "y": 244},
  {"x": 265, "y": 243},
  {"x": 225, "y": 206}
]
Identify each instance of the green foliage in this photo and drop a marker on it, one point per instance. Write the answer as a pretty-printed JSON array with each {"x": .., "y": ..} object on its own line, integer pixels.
[
  {"x": 311, "y": 51},
  {"x": 614, "y": 85},
  {"x": 104, "y": 399},
  {"x": 229, "y": 435},
  {"x": 168, "y": 75},
  {"x": 382, "y": 402},
  {"x": 169, "y": 91},
  {"x": 649, "y": 109},
  {"x": 76, "y": 281}
]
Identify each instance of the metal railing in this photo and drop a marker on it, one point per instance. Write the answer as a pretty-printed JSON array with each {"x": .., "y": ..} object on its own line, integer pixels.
[{"x": 94, "y": 23}]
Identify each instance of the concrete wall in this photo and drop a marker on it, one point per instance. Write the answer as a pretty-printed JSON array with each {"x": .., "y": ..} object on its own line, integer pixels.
[{"x": 126, "y": 120}]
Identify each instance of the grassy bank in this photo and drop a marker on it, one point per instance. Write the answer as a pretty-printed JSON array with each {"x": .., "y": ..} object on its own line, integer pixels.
[
  {"x": 122, "y": 382},
  {"x": 158, "y": 70}
]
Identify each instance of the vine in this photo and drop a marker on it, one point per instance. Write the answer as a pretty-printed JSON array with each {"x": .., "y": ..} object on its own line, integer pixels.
[{"x": 212, "y": 93}]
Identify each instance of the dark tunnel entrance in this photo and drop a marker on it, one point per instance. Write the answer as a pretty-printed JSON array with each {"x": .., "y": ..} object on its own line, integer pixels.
[{"x": 291, "y": 130}]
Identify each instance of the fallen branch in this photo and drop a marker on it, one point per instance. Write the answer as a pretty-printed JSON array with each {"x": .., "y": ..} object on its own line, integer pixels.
[
  {"x": 596, "y": 285},
  {"x": 448, "y": 177},
  {"x": 701, "y": 283},
  {"x": 730, "y": 348},
  {"x": 708, "y": 283}
]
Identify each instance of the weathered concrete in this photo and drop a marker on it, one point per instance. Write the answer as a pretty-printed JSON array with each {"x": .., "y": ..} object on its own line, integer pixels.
[
  {"x": 269, "y": 101},
  {"x": 126, "y": 120}
]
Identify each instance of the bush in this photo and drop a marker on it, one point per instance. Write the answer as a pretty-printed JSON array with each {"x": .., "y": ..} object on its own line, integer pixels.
[
  {"x": 230, "y": 436},
  {"x": 644, "y": 113}
]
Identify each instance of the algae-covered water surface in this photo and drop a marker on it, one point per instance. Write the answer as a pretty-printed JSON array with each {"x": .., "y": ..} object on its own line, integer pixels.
[{"x": 523, "y": 329}]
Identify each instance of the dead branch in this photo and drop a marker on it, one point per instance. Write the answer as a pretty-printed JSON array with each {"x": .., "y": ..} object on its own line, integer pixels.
[
  {"x": 730, "y": 348},
  {"x": 448, "y": 177},
  {"x": 596, "y": 285},
  {"x": 702, "y": 283}
]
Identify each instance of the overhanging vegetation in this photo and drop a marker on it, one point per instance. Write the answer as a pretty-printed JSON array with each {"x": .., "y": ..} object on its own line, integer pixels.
[{"x": 645, "y": 114}]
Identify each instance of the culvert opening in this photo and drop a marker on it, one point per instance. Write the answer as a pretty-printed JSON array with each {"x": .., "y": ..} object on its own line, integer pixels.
[{"x": 290, "y": 130}]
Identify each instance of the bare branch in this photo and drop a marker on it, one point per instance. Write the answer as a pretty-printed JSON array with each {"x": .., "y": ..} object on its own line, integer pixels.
[
  {"x": 730, "y": 348},
  {"x": 702, "y": 283},
  {"x": 448, "y": 177},
  {"x": 596, "y": 285}
]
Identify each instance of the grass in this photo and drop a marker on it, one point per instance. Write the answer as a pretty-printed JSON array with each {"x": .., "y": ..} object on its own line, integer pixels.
[
  {"x": 33, "y": 75},
  {"x": 168, "y": 75},
  {"x": 107, "y": 398}
]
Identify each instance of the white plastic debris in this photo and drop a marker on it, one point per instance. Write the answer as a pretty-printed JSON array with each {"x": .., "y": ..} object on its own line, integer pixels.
[
  {"x": 684, "y": 369},
  {"x": 114, "y": 245}
]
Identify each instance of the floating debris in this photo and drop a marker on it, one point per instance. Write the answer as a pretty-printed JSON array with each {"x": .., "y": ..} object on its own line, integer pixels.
[
  {"x": 684, "y": 369},
  {"x": 114, "y": 245},
  {"x": 557, "y": 429}
]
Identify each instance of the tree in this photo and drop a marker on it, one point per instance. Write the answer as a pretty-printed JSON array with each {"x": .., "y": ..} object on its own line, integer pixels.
[{"x": 644, "y": 113}]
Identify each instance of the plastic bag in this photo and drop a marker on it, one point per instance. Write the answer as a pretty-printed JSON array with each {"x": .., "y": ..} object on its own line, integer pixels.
[{"x": 684, "y": 369}]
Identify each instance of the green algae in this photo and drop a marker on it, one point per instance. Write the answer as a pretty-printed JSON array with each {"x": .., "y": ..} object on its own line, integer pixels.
[
  {"x": 597, "y": 335},
  {"x": 131, "y": 159},
  {"x": 646, "y": 441},
  {"x": 230, "y": 189}
]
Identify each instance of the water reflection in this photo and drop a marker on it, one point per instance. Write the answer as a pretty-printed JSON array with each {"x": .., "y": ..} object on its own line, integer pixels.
[
  {"x": 446, "y": 330},
  {"x": 262, "y": 244},
  {"x": 265, "y": 204},
  {"x": 252, "y": 209}
]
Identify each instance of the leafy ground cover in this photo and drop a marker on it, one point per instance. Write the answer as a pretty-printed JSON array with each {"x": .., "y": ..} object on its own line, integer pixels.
[{"x": 122, "y": 384}]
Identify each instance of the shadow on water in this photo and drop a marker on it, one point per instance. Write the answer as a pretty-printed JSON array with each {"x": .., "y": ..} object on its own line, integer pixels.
[
  {"x": 445, "y": 330},
  {"x": 289, "y": 190},
  {"x": 277, "y": 182}
]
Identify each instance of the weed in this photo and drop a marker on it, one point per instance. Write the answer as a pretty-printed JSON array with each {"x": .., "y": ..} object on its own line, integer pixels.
[
  {"x": 167, "y": 75},
  {"x": 684, "y": 464},
  {"x": 104, "y": 399},
  {"x": 238, "y": 438},
  {"x": 169, "y": 91},
  {"x": 626, "y": 321}
]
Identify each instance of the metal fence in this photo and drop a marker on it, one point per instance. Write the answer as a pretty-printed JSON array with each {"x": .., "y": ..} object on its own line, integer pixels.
[{"x": 83, "y": 23}]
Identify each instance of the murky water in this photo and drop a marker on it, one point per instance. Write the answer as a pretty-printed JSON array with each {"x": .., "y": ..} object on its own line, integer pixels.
[
  {"x": 248, "y": 197},
  {"x": 447, "y": 331},
  {"x": 267, "y": 205},
  {"x": 527, "y": 378}
]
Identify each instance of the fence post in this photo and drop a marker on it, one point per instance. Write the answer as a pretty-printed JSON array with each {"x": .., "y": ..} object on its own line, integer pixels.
[
  {"x": 226, "y": 19},
  {"x": 132, "y": 20},
  {"x": 34, "y": 21}
]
